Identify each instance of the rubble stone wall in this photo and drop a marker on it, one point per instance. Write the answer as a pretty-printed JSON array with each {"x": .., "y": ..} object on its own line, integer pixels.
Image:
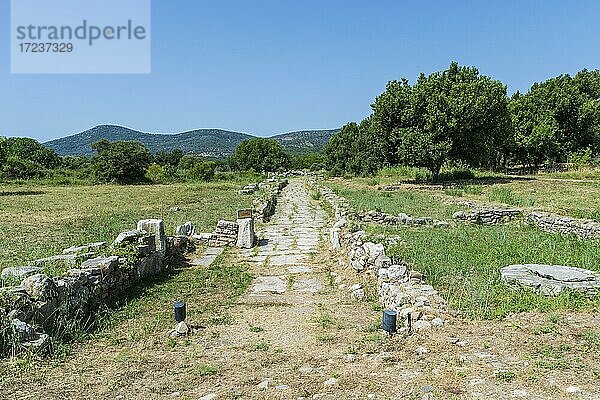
[
  {"x": 98, "y": 273},
  {"x": 264, "y": 206},
  {"x": 401, "y": 289},
  {"x": 582, "y": 228}
]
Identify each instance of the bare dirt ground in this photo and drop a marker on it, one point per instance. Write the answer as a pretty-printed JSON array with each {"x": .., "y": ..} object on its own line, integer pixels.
[{"x": 294, "y": 334}]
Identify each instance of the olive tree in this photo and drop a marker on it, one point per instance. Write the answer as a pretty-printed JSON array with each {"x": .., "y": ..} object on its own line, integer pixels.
[
  {"x": 120, "y": 162},
  {"x": 261, "y": 155}
]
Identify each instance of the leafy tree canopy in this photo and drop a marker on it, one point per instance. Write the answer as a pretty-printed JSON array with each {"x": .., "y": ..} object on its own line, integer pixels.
[
  {"x": 456, "y": 114},
  {"x": 26, "y": 149},
  {"x": 120, "y": 162},
  {"x": 556, "y": 118},
  {"x": 171, "y": 158},
  {"x": 261, "y": 155}
]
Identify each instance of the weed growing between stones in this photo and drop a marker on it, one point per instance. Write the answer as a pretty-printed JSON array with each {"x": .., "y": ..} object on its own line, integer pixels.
[
  {"x": 291, "y": 279},
  {"x": 207, "y": 370},
  {"x": 9, "y": 341},
  {"x": 324, "y": 320},
  {"x": 261, "y": 346}
]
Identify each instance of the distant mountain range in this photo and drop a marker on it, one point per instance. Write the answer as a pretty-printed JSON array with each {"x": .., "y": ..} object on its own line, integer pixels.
[{"x": 203, "y": 142}]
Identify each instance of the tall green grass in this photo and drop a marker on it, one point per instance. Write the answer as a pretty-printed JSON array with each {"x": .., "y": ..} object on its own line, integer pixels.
[
  {"x": 40, "y": 221},
  {"x": 508, "y": 196},
  {"x": 399, "y": 201},
  {"x": 464, "y": 263}
]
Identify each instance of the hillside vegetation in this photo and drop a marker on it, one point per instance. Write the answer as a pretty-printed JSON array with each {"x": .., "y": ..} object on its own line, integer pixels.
[{"x": 204, "y": 142}]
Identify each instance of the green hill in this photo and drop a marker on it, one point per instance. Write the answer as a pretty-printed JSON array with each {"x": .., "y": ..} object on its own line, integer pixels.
[{"x": 204, "y": 142}]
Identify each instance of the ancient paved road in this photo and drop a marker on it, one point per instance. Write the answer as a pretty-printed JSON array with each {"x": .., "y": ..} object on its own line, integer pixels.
[
  {"x": 285, "y": 256},
  {"x": 282, "y": 342}
]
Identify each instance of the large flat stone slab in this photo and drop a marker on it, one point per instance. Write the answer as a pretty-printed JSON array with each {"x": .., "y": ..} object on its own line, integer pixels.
[
  {"x": 210, "y": 255},
  {"x": 268, "y": 284},
  {"x": 287, "y": 259},
  {"x": 551, "y": 279},
  {"x": 311, "y": 285},
  {"x": 561, "y": 273}
]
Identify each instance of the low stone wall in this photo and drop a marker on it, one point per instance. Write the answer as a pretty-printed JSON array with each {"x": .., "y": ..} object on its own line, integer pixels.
[
  {"x": 489, "y": 215},
  {"x": 264, "y": 206},
  {"x": 582, "y": 228},
  {"x": 419, "y": 306},
  {"x": 553, "y": 223},
  {"x": 41, "y": 303},
  {"x": 379, "y": 217},
  {"x": 340, "y": 206},
  {"x": 225, "y": 234},
  {"x": 241, "y": 232}
]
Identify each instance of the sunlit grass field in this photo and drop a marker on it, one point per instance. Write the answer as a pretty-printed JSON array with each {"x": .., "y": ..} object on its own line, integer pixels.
[
  {"x": 413, "y": 203},
  {"x": 40, "y": 221},
  {"x": 463, "y": 261},
  {"x": 558, "y": 193}
]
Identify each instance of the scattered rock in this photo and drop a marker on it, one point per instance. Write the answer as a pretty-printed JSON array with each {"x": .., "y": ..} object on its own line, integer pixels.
[
  {"x": 330, "y": 382},
  {"x": 181, "y": 329},
  {"x": 19, "y": 273},
  {"x": 421, "y": 325},
  {"x": 573, "y": 390},
  {"x": 88, "y": 248},
  {"x": 421, "y": 350},
  {"x": 40, "y": 286},
  {"x": 264, "y": 385},
  {"x": 427, "y": 389},
  {"x": 128, "y": 236},
  {"x": 358, "y": 294},
  {"x": 22, "y": 329}
]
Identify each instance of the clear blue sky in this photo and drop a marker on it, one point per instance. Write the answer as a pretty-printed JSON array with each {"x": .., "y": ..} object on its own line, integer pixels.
[{"x": 266, "y": 67}]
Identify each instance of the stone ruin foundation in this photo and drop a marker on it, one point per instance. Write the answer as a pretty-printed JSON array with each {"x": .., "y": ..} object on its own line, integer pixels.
[{"x": 551, "y": 280}]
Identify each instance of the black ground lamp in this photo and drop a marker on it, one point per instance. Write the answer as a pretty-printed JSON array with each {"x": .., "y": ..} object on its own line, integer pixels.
[
  {"x": 389, "y": 321},
  {"x": 179, "y": 308}
]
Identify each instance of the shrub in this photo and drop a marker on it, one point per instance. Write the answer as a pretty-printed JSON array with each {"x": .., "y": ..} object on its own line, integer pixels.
[
  {"x": 456, "y": 174},
  {"x": 580, "y": 158},
  {"x": 261, "y": 155},
  {"x": 422, "y": 175},
  {"x": 160, "y": 174},
  {"x": 120, "y": 162},
  {"x": 204, "y": 171},
  {"x": 507, "y": 196},
  {"x": 16, "y": 168}
]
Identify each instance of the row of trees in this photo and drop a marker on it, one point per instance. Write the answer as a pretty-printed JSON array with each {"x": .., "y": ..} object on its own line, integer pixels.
[
  {"x": 459, "y": 116},
  {"x": 262, "y": 155},
  {"x": 132, "y": 162},
  {"x": 119, "y": 162}
]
